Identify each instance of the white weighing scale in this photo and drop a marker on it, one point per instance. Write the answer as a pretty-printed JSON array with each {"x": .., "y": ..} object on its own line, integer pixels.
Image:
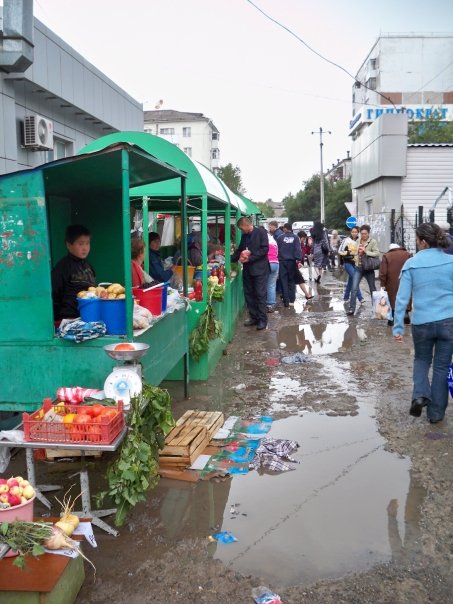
[{"x": 125, "y": 381}]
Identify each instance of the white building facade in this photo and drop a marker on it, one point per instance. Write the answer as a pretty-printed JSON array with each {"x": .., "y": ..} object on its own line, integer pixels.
[
  {"x": 64, "y": 100},
  {"x": 193, "y": 133},
  {"x": 413, "y": 73}
]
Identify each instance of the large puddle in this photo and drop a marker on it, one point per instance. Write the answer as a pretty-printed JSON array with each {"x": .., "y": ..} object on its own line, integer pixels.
[
  {"x": 318, "y": 338},
  {"x": 347, "y": 506}
]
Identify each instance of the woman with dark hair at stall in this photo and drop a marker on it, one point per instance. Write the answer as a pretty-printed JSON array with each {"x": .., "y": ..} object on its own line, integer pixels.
[
  {"x": 321, "y": 249},
  {"x": 428, "y": 278}
]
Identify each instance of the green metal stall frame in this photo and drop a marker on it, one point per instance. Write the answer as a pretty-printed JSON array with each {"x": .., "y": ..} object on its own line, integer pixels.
[
  {"x": 206, "y": 196},
  {"x": 36, "y": 206}
]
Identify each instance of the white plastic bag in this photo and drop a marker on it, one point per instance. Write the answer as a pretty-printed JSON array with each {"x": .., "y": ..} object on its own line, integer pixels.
[{"x": 381, "y": 306}]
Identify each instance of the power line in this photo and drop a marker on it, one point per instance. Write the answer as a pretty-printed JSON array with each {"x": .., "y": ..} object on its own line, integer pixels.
[{"x": 299, "y": 39}]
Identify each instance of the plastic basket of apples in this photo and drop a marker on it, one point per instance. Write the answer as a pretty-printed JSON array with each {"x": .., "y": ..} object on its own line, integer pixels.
[{"x": 16, "y": 499}]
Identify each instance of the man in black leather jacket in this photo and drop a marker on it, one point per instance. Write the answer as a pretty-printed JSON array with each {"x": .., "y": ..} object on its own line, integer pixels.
[{"x": 252, "y": 253}]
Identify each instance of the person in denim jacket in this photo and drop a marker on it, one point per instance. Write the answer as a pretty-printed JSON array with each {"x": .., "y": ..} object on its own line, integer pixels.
[{"x": 428, "y": 278}]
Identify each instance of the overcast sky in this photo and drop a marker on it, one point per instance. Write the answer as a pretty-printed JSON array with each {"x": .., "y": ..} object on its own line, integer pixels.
[{"x": 264, "y": 90}]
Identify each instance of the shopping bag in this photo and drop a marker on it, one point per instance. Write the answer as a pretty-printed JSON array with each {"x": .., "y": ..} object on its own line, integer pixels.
[
  {"x": 450, "y": 379},
  {"x": 381, "y": 306}
]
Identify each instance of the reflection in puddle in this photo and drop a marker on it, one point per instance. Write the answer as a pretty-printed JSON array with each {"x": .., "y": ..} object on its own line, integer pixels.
[
  {"x": 284, "y": 387},
  {"x": 321, "y": 338},
  {"x": 319, "y": 304},
  {"x": 336, "y": 512}
]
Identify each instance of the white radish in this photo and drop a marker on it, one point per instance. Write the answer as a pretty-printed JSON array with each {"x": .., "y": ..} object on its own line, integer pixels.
[{"x": 58, "y": 540}]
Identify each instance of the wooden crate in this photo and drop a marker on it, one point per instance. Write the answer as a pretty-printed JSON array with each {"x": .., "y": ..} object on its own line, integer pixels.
[
  {"x": 211, "y": 420},
  {"x": 189, "y": 438},
  {"x": 183, "y": 445}
]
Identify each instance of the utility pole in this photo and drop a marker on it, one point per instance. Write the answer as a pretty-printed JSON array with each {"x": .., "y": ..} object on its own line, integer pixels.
[{"x": 321, "y": 176}]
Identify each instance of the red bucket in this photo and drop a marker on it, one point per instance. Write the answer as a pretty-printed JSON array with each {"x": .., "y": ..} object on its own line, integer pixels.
[{"x": 150, "y": 298}]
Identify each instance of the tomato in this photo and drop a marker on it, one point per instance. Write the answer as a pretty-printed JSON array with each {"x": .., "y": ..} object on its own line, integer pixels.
[
  {"x": 97, "y": 409},
  {"x": 110, "y": 413},
  {"x": 94, "y": 432},
  {"x": 124, "y": 346},
  {"x": 81, "y": 426},
  {"x": 85, "y": 411},
  {"x": 82, "y": 419}
]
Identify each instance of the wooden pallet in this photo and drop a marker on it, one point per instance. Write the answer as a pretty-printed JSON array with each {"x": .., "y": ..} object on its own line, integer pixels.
[
  {"x": 211, "y": 420},
  {"x": 56, "y": 453}
]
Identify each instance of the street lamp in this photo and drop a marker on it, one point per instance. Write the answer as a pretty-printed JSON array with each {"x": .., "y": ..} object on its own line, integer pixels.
[{"x": 321, "y": 176}]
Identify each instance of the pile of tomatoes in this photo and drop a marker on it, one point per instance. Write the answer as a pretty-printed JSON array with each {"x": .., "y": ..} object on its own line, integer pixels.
[{"x": 86, "y": 423}]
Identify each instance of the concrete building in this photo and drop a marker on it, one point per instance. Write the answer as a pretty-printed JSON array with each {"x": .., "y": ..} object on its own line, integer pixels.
[
  {"x": 194, "y": 133},
  {"x": 412, "y": 73},
  {"x": 52, "y": 101},
  {"x": 396, "y": 185}
]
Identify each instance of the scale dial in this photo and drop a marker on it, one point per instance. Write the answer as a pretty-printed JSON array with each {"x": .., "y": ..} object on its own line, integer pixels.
[{"x": 122, "y": 384}]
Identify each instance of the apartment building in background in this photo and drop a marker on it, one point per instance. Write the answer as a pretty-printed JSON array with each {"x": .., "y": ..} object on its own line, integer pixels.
[
  {"x": 52, "y": 100},
  {"x": 413, "y": 74},
  {"x": 341, "y": 170},
  {"x": 193, "y": 133}
]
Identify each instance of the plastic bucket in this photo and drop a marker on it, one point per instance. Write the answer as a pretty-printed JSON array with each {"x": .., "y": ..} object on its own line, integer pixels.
[
  {"x": 190, "y": 272},
  {"x": 90, "y": 309},
  {"x": 24, "y": 511},
  {"x": 113, "y": 313},
  {"x": 150, "y": 298}
]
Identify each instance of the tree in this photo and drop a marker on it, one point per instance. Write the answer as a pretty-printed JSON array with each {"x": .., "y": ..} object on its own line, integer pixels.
[
  {"x": 306, "y": 204},
  {"x": 431, "y": 130},
  {"x": 266, "y": 209},
  {"x": 231, "y": 176}
]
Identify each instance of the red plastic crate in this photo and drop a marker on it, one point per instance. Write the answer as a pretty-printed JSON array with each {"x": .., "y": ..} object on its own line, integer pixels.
[{"x": 102, "y": 433}]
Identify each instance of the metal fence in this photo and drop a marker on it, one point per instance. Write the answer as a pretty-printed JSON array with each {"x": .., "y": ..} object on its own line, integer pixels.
[{"x": 403, "y": 226}]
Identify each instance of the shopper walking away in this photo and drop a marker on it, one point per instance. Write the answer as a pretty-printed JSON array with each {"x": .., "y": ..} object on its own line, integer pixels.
[
  {"x": 348, "y": 252},
  {"x": 289, "y": 254},
  {"x": 334, "y": 245},
  {"x": 368, "y": 247},
  {"x": 389, "y": 275},
  {"x": 275, "y": 230},
  {"x": 321, "y": 249},
  {"x": 252, "y": 253},
  {"x": 428, "y": 278},
  {"x": 272, "y": 256}
]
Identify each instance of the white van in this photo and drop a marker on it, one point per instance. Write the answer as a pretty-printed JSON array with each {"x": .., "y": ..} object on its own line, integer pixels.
[{"x": 302, "y": 225}]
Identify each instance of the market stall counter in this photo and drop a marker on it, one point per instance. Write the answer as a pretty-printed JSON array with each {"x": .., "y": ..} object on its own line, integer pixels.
[{"x": 37, "y": 206}]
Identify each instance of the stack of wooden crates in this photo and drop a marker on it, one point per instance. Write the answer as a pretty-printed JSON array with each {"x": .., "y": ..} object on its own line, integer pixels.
[{"x": 189, "y": 438}]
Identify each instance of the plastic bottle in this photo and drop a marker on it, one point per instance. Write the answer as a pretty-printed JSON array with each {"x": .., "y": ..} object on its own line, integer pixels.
[
  {"x": 263, "y": 595},
  {"x": 221, "y": 276},
  {"x": 198, "y": 289},
  {"x": 214, "y": 272}
]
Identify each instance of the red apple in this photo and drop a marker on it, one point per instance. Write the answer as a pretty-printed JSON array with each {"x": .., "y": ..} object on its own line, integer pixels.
[
  {"x": 2, "y": 480},
  {"x": 14, "y": 500},
  {"x": 12, "y": 482},
  {"x": 4, "y": 498}
]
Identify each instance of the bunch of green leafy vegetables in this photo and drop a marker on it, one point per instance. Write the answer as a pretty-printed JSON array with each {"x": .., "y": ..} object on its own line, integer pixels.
[{"x": 135, "y": 469}]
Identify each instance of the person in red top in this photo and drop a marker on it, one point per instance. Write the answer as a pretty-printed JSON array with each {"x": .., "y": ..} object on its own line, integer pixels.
[{"x": 138, "y": 255}]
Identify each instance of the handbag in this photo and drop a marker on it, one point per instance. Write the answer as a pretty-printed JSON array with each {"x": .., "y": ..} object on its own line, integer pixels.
[{"x": 370, "y": 263}]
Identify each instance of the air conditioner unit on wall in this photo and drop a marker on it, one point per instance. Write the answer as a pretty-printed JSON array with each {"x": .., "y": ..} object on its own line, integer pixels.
[{"x": 38, "y": 132}]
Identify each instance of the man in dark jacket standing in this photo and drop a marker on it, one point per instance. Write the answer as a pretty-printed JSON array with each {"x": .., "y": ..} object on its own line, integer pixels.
[
  {"x": 252, "y": 253},
  {"x": 289, "y": 252},
  {"x": 274, "y": 229}
]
